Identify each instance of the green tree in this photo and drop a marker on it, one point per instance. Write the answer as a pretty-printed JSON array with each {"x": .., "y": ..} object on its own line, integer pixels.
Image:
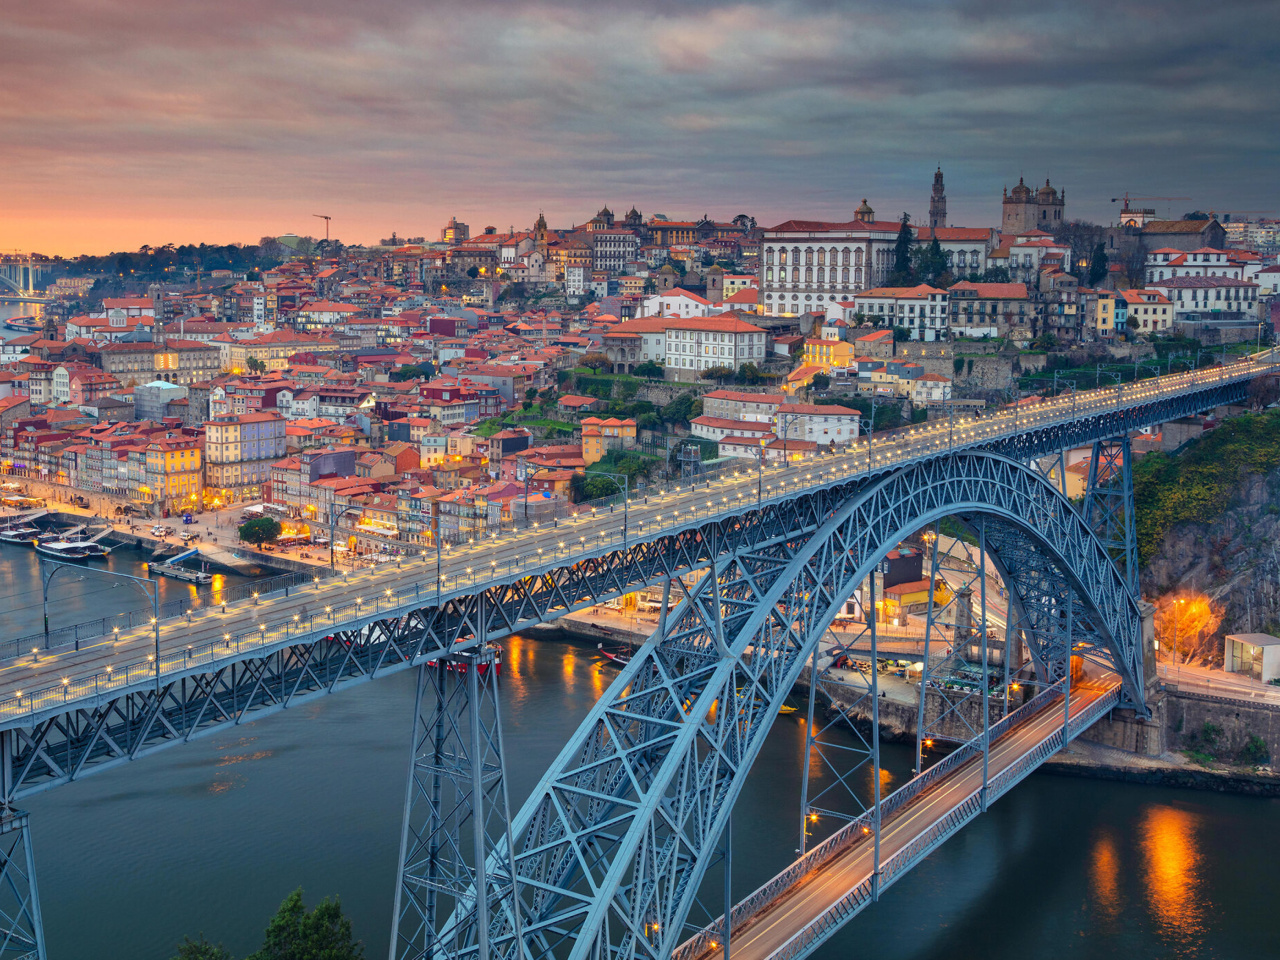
[
  {"x": 255, "y": 365},
  {"x": 649, "y": 421},
  {"x": 930, "y": 262},
  {"x": 820, "y": 381},
  {"x": 996, "y": 275},
  {"x": 716, "y": 373},
  {"x": 595, "y": 361},
  {"x": 473, "y": 272},
  {"x": 321, "y": 934},
  {"x": 901, "y": 276},
  {"x": 1195, "y": 215},
  {"x": 1098, "y": 265},
  {"x": 200, "y": 949},
  {"x": 901, "y": 334},
  {"x": 260, "y": 530},
  {"x": 682, "y": 409},
  {"x": 749, "y": 374},
  {"x": 649, "y": 369}
]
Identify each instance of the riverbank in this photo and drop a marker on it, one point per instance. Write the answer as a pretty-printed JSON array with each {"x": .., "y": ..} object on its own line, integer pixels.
[{"x": 1097, "y": 761}]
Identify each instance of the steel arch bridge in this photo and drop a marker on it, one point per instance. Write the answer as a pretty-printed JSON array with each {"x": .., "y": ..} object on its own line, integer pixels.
[{"x": 611, "y": 848}]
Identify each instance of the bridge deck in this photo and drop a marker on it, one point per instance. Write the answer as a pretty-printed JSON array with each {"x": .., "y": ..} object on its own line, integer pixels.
[
  {"x": 820, "y": 900},
  {"x": 38, "y": 684}
]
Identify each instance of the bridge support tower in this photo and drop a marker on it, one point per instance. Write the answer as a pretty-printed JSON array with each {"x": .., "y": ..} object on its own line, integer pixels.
[
  {"x": 456, "y": 834},
  {"x": 21, "y": 928}
]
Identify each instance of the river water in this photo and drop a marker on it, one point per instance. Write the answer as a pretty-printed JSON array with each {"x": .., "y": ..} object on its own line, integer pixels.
[{"x": 210, "y": 836}]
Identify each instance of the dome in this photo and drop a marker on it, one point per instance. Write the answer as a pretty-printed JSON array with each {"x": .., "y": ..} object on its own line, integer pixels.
[
  {"x": 1021, "y": 191},
  {"x": 865, "y": 212},
  {"x": 1047, "y": 193}
]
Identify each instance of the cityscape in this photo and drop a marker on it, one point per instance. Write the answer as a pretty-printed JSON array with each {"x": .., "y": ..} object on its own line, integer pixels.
[{"x": 737, "y": 543}]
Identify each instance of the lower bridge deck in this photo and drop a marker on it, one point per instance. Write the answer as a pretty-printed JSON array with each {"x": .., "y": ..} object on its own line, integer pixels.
[{"x": 805, "y": 904}]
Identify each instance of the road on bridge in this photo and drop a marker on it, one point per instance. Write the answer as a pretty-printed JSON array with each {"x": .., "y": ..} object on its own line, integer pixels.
[
  {"x": 51, "y": 679},
  {"x": 767, "y": 931}
]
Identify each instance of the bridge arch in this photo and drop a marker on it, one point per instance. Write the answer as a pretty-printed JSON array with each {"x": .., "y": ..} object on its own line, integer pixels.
[{"x": 612, "y": 845}]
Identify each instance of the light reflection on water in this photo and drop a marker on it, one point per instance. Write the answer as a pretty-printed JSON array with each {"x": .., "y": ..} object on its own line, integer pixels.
[{"x": 1176, "y": 895}]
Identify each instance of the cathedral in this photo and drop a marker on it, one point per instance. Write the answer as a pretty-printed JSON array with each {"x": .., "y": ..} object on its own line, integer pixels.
[{"x": 1026, "y": 210}]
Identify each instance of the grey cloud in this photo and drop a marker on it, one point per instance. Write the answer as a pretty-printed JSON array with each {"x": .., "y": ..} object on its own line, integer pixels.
[{"x": 491, "y": 110}]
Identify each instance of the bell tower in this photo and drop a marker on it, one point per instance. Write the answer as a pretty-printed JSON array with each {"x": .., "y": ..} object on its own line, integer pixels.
[{"x": 938, "y": 202}]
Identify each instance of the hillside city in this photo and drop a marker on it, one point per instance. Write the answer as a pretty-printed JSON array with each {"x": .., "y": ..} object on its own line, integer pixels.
[{"x": 418, "y": 391}]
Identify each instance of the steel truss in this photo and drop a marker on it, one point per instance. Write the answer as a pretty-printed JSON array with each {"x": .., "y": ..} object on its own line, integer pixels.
[
  {"x": 1108, "y": 504},
  {"x": 612, "y": 845},
  {"x": 457, "y": 828}
]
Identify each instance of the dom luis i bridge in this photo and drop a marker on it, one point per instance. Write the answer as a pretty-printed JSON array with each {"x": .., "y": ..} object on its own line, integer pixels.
[{"x": 628, "y": 836}]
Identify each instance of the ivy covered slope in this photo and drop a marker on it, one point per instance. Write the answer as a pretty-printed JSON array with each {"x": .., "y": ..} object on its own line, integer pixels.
[{"x": 1209, "y": 519}]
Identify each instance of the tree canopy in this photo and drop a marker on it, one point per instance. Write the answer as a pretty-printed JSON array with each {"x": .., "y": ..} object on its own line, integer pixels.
[
  {"x": 260, "y": 530},
  {"x": 296, "y": 934},
  {"x": 901, "y": 275},
  {"x": 596, "y": 361}
]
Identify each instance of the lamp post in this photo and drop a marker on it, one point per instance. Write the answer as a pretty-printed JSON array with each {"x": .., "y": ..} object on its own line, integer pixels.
[
  {"x": 625, "y": 487},
  {"x": 1177, "y": 665},
  {"x": 334, "y": 515},
  {"x": 150, "y": 589}
]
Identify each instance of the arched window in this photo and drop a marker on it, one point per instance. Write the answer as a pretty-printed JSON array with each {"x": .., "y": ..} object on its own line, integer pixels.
[
  {"x": 768, "y": 273},
  {"x": 857, "y": 276},
  {"x": 834, "y": 261},
  {"x": 846, "y": 256},
  {"x": 795, "y": 274},
  {"x": 808, "y": 274},
  {"x": 844, "y": 274},
  {"x": 822, "y": 257},
  {"x": 768, "y": 255},
  {"x": 808, "y": 256},
  {"x": 821, "y": 271},
  {"x": 795, "y": 254}
]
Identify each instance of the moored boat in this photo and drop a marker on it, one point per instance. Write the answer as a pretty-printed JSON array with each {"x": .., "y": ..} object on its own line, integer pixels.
[
  {"x": 71, "y": 549},
  {"x": 18, "y": 535}
]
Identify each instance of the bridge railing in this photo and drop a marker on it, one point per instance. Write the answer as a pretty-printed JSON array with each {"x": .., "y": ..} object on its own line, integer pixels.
[{"x": 170, "y": 610}]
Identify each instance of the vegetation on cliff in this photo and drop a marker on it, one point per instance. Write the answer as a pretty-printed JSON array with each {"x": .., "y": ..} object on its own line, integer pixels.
[{"x": 1198, "y": 486}]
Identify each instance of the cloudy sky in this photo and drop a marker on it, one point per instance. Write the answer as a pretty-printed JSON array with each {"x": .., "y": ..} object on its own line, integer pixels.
[{"x": 126, "y": 122}]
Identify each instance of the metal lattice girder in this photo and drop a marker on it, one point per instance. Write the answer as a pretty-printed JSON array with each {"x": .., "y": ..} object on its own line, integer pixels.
[
  {"x": 456, "y": 831},
  {"x": 951, "y": 628},
  {"x": 1108, "y": 504},
  {"x": 611, "y": 846},
  {"x": 21, "y": 930}
]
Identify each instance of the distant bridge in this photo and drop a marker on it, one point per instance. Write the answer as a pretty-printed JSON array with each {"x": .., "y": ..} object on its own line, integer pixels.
[
  {"x": 19, "y": 277},
  {"x": 612, "y": 847}
]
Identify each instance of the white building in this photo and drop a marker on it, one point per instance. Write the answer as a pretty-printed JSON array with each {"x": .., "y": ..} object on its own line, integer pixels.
[
  {"x": 611, "y": 248},
  {"x": 807, "y": 264},
  {"x": 966, "y": 248},
  {"x": 735, "y": 405},
  {"x": 685, "y": 347},
  {"x": 1030, "y": 253},
  {"x": 717, "y": 428},
  {"x": 929, "y": 388},
  {"x": 1207, "y": 296},
  {"x": 821, "y": 424},
  {"x": 676, "y": 302},
  {"x": 922, "y": 309}
]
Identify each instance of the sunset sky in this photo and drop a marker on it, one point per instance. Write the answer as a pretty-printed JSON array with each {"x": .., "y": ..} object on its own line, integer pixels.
[{"x": 138, "y": 121}]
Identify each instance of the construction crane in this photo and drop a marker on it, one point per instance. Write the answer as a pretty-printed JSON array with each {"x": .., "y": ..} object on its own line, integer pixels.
[
  {"x": 326, "y": 220},
  {"x": 1126, "y": 198}
]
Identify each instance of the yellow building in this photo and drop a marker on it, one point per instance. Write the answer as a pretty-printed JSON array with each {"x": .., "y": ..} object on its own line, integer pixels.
[
  {"x": 174, "y": 473},
  {"x": 827, "y": 354},
  {"x": 1104, "y": 315},
  {"x": 593, "y": 448}
]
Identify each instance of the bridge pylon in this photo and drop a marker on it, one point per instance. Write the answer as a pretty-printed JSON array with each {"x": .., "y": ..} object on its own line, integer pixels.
[{"x": 456, "y": 834}]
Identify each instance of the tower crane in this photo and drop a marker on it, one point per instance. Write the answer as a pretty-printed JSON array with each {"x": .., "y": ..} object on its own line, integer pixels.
[
  {"x": 1126, "y": 198},
  {"x": 326, "y": 220}
]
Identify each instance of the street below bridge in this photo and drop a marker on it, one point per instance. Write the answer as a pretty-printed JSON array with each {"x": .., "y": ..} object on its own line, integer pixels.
[{"x": 51, "y": 680}]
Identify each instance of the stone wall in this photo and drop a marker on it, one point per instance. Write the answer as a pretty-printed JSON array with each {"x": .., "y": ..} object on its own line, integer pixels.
[
  {"x": 661, "y": 392},
  {"x": 1187, "y": 713}
]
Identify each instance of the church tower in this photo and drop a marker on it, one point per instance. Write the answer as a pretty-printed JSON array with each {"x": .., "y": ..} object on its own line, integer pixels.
[{"x": 938, "y": 202}]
